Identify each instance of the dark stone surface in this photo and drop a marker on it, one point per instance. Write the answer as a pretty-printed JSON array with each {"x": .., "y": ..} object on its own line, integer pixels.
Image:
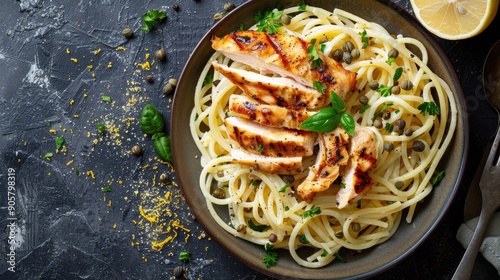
[{"x": 58, "y": 58}]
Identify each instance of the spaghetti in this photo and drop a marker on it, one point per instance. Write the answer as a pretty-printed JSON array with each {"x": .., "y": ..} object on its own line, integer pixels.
[{"x": 402, "y": 177}]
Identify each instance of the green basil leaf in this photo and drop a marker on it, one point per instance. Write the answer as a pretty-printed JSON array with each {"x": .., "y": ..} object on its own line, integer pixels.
[
  {"x": 326, "y": 120},
  {"x": 347, "y": 123},
  {"x": 162, "y": 147},
  {"x": 337, "y": 102},
  {"x": 151, "y": 120}
]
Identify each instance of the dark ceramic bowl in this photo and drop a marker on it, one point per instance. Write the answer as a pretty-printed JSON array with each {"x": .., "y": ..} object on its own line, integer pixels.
[{"x": 372, "y": 261}]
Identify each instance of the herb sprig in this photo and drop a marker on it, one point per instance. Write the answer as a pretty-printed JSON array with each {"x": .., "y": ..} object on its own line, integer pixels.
[
  {"x": 269, "y": 22},
  {"x": 313, "y": 55},
  {"x": 430, "y": 108},
  {"x": 152, "y": 18},
  {"x": 271, "y": 257}
]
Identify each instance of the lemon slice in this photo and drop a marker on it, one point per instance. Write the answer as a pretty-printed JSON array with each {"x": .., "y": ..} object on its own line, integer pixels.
[{"x": 455, "y": 19}]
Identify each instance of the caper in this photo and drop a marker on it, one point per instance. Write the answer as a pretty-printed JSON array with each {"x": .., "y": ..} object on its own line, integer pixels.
[
  {"x": 355, "y": 53},
  {"x": 399, "y": 184},
  {"x": 395, "y": 90},
  {"x": 406, "y": 85},
  {"x": 173, "y": 82},
  {"x": 409, "y": 131},
  {"x": 273, "y": 238},
  {"x": 128, "y": 33},
  {"x": 160, "y": 54},
  {"x": 418, "y": 146},
  {"x": 373, "y": 85},
  {"x": 136, "y": 150},
  {"x": 178, "y": 271},
  {"x": 337, "y": 55},
  {"x": 220, "y": 173},
  {"x": 150, "y": 79},
  {"x": 401, "y": 124},
  {"x": 346, "y": 56},
  {"x": 388, "y": 146},
  {"x": 217, "y": 16},
  {"x": 164, "y": 177},
  {"x": 228, "y": 6},
  {"x": 339, "y": 234},
  {"x": 356, "y": 227},
  {"x": 348, "y": 46},
  {"x": 169, "y": 87},
  {"x": 363, "y": 100},
  {"x": 386, "y": 115},
  {"x": 255, "y": 167},
  {"x": 241, "y": 228},
  {"x": 378, "y": 123},
  {"x": 175, "y": 6},
  {"x": 219, "y": 193},
  {"x": 285, "y": 19},
  {"x": 288, "y": 178},
  {"x": 393, "y": 53}
]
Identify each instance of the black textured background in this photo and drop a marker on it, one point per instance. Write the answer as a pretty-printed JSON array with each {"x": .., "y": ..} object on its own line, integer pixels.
[{"x": 57, "y": 59}]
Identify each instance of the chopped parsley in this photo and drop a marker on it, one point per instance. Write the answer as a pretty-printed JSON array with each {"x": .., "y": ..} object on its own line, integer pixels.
[
  {"x": 303, "y": 239},
  {"x": 437, "y": 177},
  {"x": 302, "y": 6},
  {"x": 151, "y": 18},
  {"x": 315, "y": 210},
  {"x": 389, "y": 127},
  {"x": 390, "y": 60},
  {"x": 364, "y": 38},
  {"x": 260, "y": 148},
  {"x": 313, "y": 55},
  {"x": 364, "y": 108},
  {"x": 106, "y": 98},
  {"x": 430, "y": 108},
  {"x": 384, "y": 90},
  {"x": 48, "y": 155},
  {"x": 339, "y": 257},
  {"x": 269, "y": 22},
  {"x": 271, "y": 257},
  {"x": 101, "y": 128},
  {"x": 259, "y": 228},
  {"x": 256, "y": 183},
  {"x": 208, "y": 80},
  {"x": 59, "y": 142},
  {"x": 319, "y": 86},
  {"x": 283, "y": 189},
  {"x": 185, "y": 256},
  {"x": 325, "y": 253},
  {"x": 106, "y": 189}
]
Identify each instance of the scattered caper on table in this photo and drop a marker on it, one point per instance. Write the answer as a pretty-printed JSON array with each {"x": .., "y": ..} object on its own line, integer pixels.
[
  {"x": 136, "y": 150},
  {"x": 160, "y": 54},
  {"x": 127, "y": 33}
]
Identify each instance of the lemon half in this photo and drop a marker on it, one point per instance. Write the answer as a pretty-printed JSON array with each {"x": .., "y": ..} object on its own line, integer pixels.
[{"x": 455, "y": 19}]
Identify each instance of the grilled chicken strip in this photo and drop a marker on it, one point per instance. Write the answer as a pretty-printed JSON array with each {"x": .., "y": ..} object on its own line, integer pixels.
[
  {"x": 267, "y": 115},
  {"x": 276, "y": 165},
  {"x": 270, "y": 141},
  {"x": 333, "y": 154},
  {"x": 363, "y": 159},
  {"x": 274, "y": 90},
  {"x": 287, "y": 56}
]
